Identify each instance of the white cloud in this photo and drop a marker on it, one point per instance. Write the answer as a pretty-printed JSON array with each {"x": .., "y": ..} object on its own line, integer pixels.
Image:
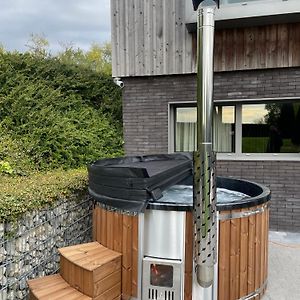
[{"x": 81, "y": 22}]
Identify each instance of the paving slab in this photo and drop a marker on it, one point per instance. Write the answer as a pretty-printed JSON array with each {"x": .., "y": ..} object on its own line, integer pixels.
[{"x": 284, "y": 266}]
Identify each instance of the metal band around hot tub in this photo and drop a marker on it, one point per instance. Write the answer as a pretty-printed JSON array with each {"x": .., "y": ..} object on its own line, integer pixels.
[
  {"x": 244, "y": 214},
  {"x": 256, "y": 293}
]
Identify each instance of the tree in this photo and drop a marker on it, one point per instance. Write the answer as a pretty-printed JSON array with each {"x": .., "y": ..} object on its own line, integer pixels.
[
  {"x": 273, "y": 114},
  {"x": 97, "y": 58},
  {"x": 296, "y": 137},
  {"x": 38, "y": 45},
  {"x": 2, "y": 49},
  {"x": 286, "y": 121}
]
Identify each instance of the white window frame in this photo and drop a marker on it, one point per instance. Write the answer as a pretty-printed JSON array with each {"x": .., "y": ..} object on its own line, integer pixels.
[{"x": 237, "y": 155}]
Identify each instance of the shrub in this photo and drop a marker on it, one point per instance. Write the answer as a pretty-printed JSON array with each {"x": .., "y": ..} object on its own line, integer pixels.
[
  {"x": 21, "y": 194},
  {"x": 62, "y": 115},
  {"x": 13, "y": 153}
]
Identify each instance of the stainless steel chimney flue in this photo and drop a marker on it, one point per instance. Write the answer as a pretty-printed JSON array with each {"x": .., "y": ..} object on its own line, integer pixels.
[{"x": 205, "y": 215}]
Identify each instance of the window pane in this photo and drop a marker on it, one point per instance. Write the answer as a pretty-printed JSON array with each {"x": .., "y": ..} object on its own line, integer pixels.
[
  {"x": 271, "y": 128},
  {"x": 224, "y": 129},
  {"x": 185, "y": 130}
]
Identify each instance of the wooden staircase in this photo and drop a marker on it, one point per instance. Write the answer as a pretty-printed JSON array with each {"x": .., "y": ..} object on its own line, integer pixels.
[{"x": 87, "y": 271}]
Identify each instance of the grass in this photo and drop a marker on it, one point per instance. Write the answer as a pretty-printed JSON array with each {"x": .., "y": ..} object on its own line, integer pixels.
[
  {"x": 259, "y": 145},
  {"x": 19, "y": 195}
]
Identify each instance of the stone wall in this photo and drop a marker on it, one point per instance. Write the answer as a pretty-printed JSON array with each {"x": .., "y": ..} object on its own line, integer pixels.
[
  {"x": 146, "y": 116},
  {"x": 28, "y": 249}
]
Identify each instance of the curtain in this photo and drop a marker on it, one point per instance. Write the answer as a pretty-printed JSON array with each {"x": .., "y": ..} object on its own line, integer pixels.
[
  {"x": 186, "y": 136},
  {"x": 222, "y": 133}
]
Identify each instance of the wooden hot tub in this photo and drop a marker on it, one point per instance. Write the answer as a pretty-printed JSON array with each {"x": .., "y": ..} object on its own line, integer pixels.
[
  {"x": 243, "y": 243},
  {"x": 160, "y": 231}
]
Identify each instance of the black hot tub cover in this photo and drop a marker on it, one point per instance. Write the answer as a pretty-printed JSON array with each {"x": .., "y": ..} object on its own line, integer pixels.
[{"x": 129, "y": 183}]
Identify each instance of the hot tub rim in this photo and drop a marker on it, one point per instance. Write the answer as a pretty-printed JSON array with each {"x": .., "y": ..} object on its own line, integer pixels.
[
  {"x": 263, "y": 195},
  {"x": 244, "y": 186},
  {"x": 240, "y": 185}
]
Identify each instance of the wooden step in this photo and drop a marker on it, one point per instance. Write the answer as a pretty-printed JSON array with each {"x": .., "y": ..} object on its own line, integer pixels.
[
  {"x": 53, "y": 287},
  {"x": 92, "y": 269}
]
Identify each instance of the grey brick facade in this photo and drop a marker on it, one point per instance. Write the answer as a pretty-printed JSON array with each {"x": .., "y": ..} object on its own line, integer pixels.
[{"x": 145, "y": 116}]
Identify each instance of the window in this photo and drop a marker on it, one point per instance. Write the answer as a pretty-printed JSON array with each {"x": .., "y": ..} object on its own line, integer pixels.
[
  {"x": 224, "y": 129},
  {"x": 186, "y": 133},
  {"x": 264, "y": 127},
  {"x": 271, "y": 128}
]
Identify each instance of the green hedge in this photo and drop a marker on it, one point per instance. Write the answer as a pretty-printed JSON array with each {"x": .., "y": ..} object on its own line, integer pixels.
[
  {"x": 22, "y": 194},
  {"x": 61, "y": 115}
]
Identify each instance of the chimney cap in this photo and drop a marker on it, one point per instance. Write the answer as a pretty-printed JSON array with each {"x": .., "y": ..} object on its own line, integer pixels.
[{"x": 196, "y": 3}]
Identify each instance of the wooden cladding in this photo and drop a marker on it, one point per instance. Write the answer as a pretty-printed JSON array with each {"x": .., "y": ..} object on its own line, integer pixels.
[
  {"x": 150, "y": 38},
  {"x": 273, "y": 46},
  {"x": 243, "y": 255},
  {"x": 119, "y": 233},
  {"x": 189, "y": 250}
]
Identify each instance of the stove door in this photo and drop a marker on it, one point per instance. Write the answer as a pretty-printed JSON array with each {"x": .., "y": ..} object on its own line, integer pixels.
[{"x": 162, "y": 279}]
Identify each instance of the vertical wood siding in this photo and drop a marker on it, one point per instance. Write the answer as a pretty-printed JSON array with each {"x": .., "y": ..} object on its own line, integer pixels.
[
  {"x": 119, "y": 233},
  {"x": 272, "y": 46},
  {"x": 149, "y": 37}
]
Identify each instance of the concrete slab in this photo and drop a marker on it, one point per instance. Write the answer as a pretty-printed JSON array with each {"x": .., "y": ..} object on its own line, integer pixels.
[{"x": 284, "y": 266}]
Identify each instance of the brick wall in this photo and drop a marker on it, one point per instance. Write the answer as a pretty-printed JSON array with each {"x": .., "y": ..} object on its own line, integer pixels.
[
  {"x": 145, "y": 113},
  {"x": 283, "y": 179}
]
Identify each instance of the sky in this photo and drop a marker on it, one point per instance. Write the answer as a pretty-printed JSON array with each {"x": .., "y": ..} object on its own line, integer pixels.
[
  {"x": 251, "y": 114},
  {"x": 62, "y": 22}
]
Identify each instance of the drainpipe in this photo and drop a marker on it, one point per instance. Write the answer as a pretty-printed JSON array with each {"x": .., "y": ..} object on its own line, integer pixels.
[{"x": 205, "y": 214}]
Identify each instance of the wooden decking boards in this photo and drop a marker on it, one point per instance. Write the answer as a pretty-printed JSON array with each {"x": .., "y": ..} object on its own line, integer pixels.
[{"x": 87, "y": 271}]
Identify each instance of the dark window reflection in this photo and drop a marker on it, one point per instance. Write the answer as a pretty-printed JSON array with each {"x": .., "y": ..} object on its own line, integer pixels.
[{"x": 271, "y": 128}]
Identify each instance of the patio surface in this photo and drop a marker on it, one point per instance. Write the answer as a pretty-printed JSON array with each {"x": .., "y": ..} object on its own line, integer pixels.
[{"x": 284, "y": 266}]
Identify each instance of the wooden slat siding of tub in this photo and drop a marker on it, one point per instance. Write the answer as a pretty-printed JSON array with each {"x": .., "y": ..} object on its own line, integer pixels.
[
  {"x": 94, "y": 229},
  {"x": 135, "y": 249},
  {"x": 127, "y": 257},
  {"x": 243, "y": 254},
  {"x": 97, "y": 224},
  {"x": 119, "y": 233},
  {"x": 263, "y": 248},
  {"x": 234, "y": 259},
  {"x": 224, "y": 254},
  {"x": 110, "y": 230},
  {"x": 267, "y": 249},
  {"x": 258, "y": 252},
  {"x": 189, "y": 245},
  {"x": 244, "y": 258},
  {"x": 251, "y": 258},
  {"x": 103, "y": 226}
]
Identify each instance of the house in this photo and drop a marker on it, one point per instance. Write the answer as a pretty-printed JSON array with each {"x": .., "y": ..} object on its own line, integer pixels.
[{"x": 256, "y": 89}]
